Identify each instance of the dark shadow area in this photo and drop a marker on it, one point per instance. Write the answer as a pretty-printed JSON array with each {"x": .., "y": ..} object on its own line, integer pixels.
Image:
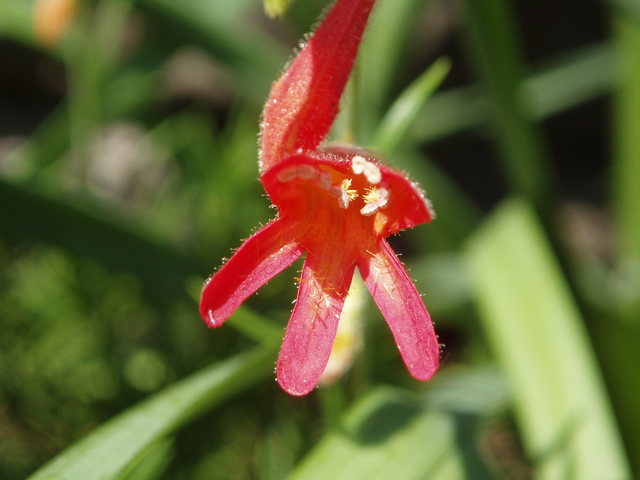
[{"x": 385, "y": 421}]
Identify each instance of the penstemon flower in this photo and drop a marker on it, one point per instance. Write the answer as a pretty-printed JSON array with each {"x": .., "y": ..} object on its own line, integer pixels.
[{"x": 336, "y": 204}]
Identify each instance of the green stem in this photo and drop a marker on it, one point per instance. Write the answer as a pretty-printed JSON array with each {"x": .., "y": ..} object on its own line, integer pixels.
[
  {"x": 626, "y": 136},
  {"x": 496, "y": 47}
]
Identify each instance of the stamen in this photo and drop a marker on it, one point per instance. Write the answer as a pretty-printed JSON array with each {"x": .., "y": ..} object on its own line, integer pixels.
[
  {"x": 357, "y": 164},
  {"x": 287, "y": 174},
  {"x": 324, "y": 180},
  {"x": 372, "y": 195},
  {"x": 369, "y": 169},
  {"x": 307, "y": 172},
  {"x": 335, "y": 191},
  {"x": 343, "y": 200},
  {"x": 343, "y": 193},
  {"x": 346, "y": 184},
  {"x": 375, "y": 199}
]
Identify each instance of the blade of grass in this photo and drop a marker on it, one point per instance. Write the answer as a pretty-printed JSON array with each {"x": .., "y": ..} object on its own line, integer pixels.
[
  {"x": 86, "y": 71},
  {"x": 537, "y": 333},
  {"x": 381, "y": 58},
  {"x": 578, "y": 77},
  {"x": 569, "y": 80},
  {"x": 408, "y": 443},
  {"x": 111, "y": 451},
  {"x": 623, "y": 336},
  {"x": 496, "y": 48},
  {"x": 154, "y": 461},
  {"x": 450, "y": 112},
  {"x": 618, "y": 346},
  {"x": 397, "y": 120},
  {"x": 391, "y": 433},
  {"x": 627, "y": 140}
]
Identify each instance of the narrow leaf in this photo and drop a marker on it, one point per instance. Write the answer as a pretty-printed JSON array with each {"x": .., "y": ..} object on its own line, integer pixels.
[
  {"x": 538, "y": 335},
  {"x": 579, "y": 76},
  {"x": 396, "y": 122},
  {"x": 390, "y": 433},
  {"x": 113, "y": 449},
  {"x": 627, "y": 140},
  {"x": 382, "y": 60}
]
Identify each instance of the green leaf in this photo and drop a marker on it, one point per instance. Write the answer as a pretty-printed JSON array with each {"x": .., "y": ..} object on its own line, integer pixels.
[
  {"x": 396, "y": 122},
  {"x": 571, "y": 79},
  {"x": 116, "y": 447},
  {"x": 627, "y": 140},
  {"x": 381, "y": 56},
  {"x": 575, "y": 78},
  {"x": 154, "y": 462},
  {"x": 534, "y": 325},
  {"x": 390, "y": 433},
  {"x": 622, "y": 285},
  {"x": 450, "y": 112}
]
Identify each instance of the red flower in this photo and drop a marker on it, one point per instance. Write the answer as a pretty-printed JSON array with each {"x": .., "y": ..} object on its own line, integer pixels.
[{"x": 336, "y": 204}]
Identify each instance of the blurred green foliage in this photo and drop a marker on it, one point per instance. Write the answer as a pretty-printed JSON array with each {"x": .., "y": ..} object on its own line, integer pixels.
[{"x": 128, "y": 170}]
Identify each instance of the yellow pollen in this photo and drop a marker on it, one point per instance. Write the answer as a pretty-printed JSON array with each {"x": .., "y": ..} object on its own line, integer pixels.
[
  {"x": 346, "y": 184},
  {"x": 371, "y": 196}
]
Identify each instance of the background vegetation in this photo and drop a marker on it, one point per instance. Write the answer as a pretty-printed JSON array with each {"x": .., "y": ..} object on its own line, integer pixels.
[{"x": 128, "y": 170}]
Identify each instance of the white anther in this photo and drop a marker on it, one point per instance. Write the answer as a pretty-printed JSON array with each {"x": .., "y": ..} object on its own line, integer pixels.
[
  {"x": 343, "y": 193},
  {"x": 373, "y": 207},
  {"x": 335, "y": 191},
  {"x": 372, "y": 172},
  {"x": 307, "y": 172},
  {"x": 343, "y": 200},
  {"x": 357, "y": 164},
  {"x": 375, "y": 199},
  {"x": 369, "y": 169},
  {"x": 287, "y": 174},
  {"x": 324, "y": 180}
]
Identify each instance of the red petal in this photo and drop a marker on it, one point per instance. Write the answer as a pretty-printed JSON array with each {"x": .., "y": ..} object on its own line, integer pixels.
[
  {"x": 400, "y": 303},
  {"x": 409, "y": 207},
  {"x": 304, "y": 101},
  {"x": 312, "y": 329},
  {"x": 265, "y": 254}
]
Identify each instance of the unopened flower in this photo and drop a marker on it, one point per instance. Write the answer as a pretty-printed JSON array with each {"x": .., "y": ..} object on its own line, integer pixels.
[
  {"x": 350, "y": 332},
  {"x": 336, "y": 204},
  {"x": 51, "y": 19}
]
